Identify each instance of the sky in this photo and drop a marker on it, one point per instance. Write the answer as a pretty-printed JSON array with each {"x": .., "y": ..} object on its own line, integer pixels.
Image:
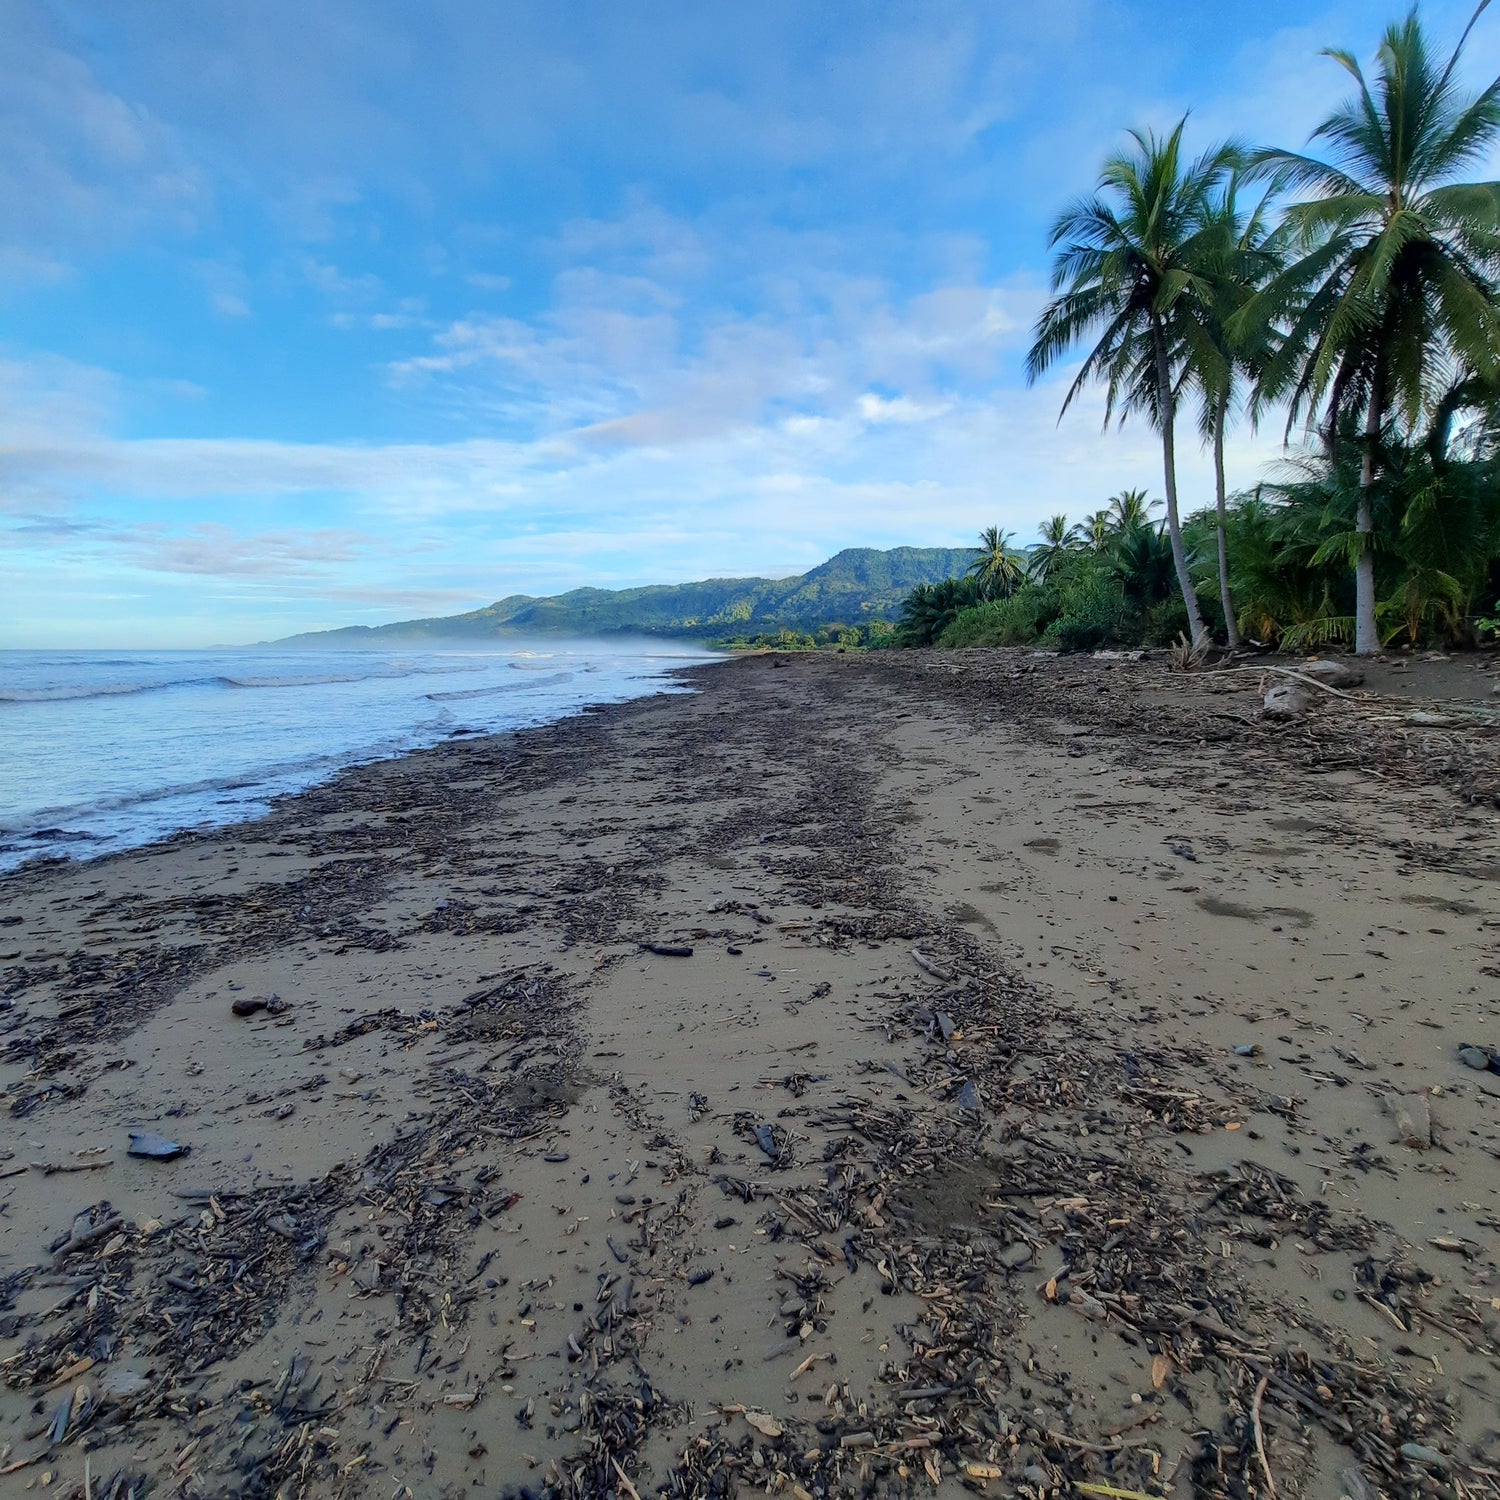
[{"x": 344, "y": 311}]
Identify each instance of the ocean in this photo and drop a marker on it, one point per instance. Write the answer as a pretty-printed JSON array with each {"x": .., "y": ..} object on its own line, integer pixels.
[{"x": 106, "y": 750}]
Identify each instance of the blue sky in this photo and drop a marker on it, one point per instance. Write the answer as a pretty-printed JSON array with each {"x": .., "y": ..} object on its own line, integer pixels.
[{"x": 345, "y": 311}]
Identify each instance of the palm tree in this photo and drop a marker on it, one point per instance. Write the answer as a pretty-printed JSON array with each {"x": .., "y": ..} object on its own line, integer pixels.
[
  {"x": 1098, "y": 529},
  {"x": 998, "y": 568},
  {"x": 1057, "y": 540},
  {"x": 1143, "y": 559},
  {"x": 1242, "y": 259},
  {"x": 1395, "y": 277},
  {"x": 1129, "y": 509},
  {"x": 931, "y": 607},
  {"x": 1127, "y": 269}
]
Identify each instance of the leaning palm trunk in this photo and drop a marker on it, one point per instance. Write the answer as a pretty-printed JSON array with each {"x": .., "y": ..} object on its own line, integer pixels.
[
  {"x": 1231, "y": 626},
  {"x": 1169, "y": 458},
  {"x": 1366, "y": 632}
]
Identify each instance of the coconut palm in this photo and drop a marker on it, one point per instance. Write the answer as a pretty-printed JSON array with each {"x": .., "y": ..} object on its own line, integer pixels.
[
  {"x": 931, "y": 607},
  {"x": 1394, "y": 281},
  {"x": 1127, "y": 270},
  {"x": 1143, "y": 559},
  {"x": 1098, "y": 530},
  {"x": 1129, "y": 509},
  {"x": 999, "y": 569},
  {"x": 1242, "y": 258},
  {"x": 1057, "y": 540}
]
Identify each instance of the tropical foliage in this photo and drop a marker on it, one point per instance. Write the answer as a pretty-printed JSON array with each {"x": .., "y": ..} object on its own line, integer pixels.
[
  {"x": 1132, "y": 268},
  {"x": 1388, "y": 297},
  {"x": 1351, "y": 287}
]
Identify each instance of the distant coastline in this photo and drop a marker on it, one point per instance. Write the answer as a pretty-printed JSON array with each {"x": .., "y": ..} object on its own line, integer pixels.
[{"x": 854, "y": 588}]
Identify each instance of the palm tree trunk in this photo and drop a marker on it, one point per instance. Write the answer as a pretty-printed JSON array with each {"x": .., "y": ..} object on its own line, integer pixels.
[
  {"x": 1169, "y": 461},
  {"x": 1366, "y": 632},
  {"x": 1231, "y": 628}
]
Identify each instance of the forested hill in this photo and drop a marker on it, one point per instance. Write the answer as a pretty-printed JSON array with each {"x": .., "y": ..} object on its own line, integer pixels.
[{"x": 858, "y": 585}]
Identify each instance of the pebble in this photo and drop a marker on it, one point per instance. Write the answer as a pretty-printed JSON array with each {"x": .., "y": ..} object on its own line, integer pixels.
[
  {"x": 155, "y": 1147},
  {"x": 1419, "y": 1453}
]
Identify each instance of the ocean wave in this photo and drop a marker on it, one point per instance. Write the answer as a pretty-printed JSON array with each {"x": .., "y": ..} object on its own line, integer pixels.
[
  {"x": 263, "y": 782},
  {"x": 320, "y": 680},
  {"x": 80, "y": 692},
  {"x": 504, "y": 687}
]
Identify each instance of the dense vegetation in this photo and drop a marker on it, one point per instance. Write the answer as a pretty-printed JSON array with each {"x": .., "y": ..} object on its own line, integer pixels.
[
  {"x": 845, "y": 598},
  {"x": 1354, "y": 288},
  {"x": 1111, "y": 580}
]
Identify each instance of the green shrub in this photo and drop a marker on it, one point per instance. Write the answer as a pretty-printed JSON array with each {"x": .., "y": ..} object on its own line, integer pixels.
[
  {"x": 1094, "y": 612},
  {"x": 1164, "y": 622},
  {"x": 1017, "y": 621}
]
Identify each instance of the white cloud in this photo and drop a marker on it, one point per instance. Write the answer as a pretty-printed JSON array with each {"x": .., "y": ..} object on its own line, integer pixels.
[
  {"x": 874, "y": 409},
  {"x": 81, "y": 167}
]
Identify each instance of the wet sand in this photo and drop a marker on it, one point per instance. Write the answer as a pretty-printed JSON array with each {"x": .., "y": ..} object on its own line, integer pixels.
[{"x": 932, "y": 1167}]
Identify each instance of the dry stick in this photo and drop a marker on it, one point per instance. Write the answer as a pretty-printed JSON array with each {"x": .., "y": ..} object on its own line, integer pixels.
[
  {"x": 630, "y": 1489},
  {"x": 1285, "y": 672},
  {"x": 1103, "y": 1448},
  {"x": 89, "y": 1237},
  {"x": 923, "y": 962},
  {"x": 1260, "y": 1436}
]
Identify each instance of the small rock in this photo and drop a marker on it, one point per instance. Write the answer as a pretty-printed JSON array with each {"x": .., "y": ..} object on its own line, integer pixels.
[
  {"x": 1420, "y": 1453},
  {"x": 154, "y": 1147},
  {"x": 1247, "y": 1049},
  {"x": 1287, "y": 701},
  {"x": 968, "y": 1097},
  {"x": 1477, "y": 1058},
  {"x": 1334, "y": 674},
  {"x": 367, "y": 1274},
  {"x": 119, "y": 1383},
  {"x": 249, "y": 1005}
]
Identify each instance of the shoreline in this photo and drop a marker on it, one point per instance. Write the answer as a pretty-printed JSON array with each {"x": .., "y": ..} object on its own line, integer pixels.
[
  {"x": 496, "y": 1195},
  {"x": 83, "y": 831}
]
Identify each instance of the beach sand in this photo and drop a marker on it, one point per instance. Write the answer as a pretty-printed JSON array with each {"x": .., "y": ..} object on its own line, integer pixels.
[{"x": 933, "y": 1167}]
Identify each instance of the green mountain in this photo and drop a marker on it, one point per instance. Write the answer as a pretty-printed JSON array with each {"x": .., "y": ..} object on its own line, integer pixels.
[{"x": 858, "y": 585}]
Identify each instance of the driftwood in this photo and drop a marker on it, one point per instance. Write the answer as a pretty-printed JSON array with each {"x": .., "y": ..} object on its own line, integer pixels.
[
  {"x": 82, "y": 1241},
  {"x": 1281, "y": 672}
]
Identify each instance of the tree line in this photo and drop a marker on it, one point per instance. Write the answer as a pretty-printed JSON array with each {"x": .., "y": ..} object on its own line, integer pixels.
[{"x": 1352, "y": 287}]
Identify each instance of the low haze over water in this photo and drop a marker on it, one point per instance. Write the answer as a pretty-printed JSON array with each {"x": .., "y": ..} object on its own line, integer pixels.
[{"x": 102, "y": 750}]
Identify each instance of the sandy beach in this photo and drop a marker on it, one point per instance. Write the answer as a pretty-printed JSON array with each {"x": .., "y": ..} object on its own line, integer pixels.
[{"x": 907, "y": 1073}]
